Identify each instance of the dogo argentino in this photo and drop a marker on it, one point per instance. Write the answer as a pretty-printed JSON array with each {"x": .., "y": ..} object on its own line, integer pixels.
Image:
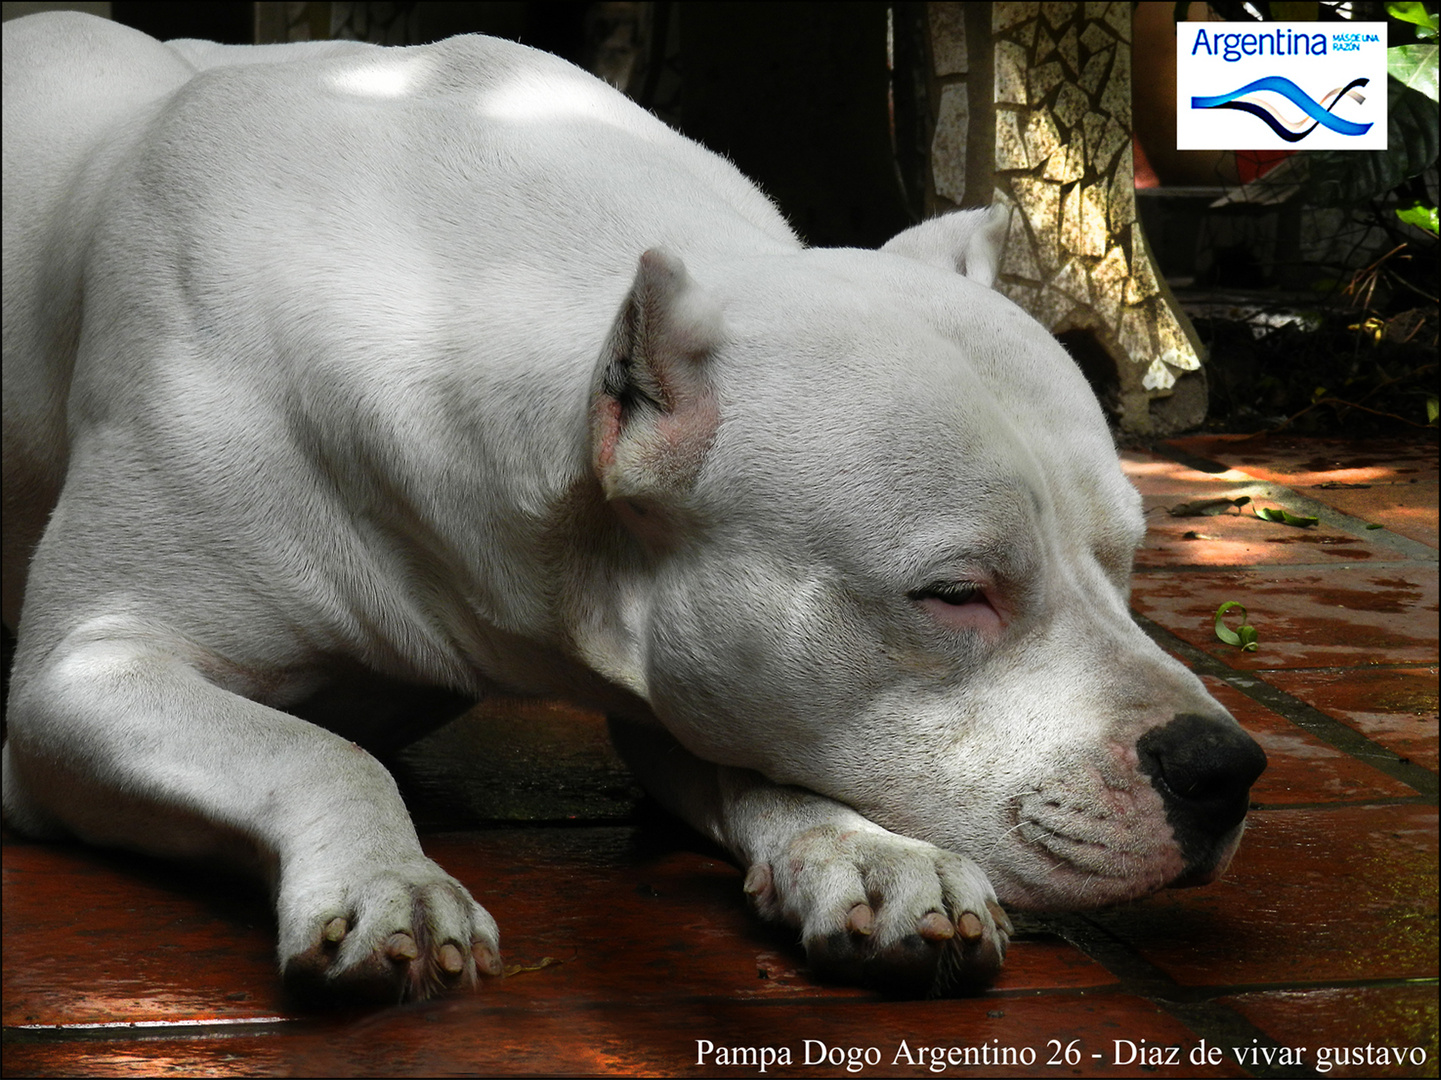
[{"x": 451, "y": 366}]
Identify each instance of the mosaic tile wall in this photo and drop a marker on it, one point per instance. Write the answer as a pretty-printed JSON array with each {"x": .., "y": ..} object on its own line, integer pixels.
[{"x": 1048, "y": 131}]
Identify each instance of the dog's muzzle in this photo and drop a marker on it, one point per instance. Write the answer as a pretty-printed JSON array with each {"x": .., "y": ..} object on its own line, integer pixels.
[{"x": 1203, "y": 768}]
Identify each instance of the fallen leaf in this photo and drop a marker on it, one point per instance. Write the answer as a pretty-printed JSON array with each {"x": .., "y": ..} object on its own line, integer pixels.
[
  {"x": 1206, "y": 507},
  {"x": 1284, "y": 517},
  {"x": 1244, "y": 636}
]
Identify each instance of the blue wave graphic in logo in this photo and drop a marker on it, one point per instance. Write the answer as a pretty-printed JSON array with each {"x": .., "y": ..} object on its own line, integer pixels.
[{"x": 1322, "y": 115}]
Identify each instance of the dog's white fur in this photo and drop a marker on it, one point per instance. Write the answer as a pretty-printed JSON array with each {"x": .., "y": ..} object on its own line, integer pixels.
[{"x": 450, "y": 365}]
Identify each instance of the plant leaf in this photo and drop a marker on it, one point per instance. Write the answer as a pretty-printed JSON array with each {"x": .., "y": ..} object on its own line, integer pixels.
[
  {"x": 1423, "y": 217},
  {"x": 1348, "y": 177},
  {"x": 1414, "y": 13},
  {"x": 1414, "y": 66},
  {"x": 1244, "y": 636},
  {"x": 1282, "y": 517}
]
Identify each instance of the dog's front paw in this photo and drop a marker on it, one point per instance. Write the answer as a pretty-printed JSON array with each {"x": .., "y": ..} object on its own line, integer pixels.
[
  {"x": 404, "y": 932},
  {"x": 884, "y": 910}
]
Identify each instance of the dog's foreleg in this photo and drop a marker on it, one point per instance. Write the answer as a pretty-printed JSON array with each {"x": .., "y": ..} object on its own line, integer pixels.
[
  {"x": 116, "y": 739},
  {"x": 871, "y": 905}
]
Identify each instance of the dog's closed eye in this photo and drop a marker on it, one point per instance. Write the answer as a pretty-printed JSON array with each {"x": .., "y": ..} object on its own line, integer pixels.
[{"x": 954, "y": 593}]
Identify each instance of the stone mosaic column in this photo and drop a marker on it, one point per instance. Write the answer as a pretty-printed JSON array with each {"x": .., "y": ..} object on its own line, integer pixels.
[{"x": 1032, "y": 107}]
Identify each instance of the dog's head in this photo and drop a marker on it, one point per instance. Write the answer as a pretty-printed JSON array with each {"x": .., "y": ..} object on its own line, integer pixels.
[{"x": 886, "y": 557}]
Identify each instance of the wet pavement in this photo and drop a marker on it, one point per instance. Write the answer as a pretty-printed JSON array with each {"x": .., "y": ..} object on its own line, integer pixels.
[{"x": 633, "y": 953}]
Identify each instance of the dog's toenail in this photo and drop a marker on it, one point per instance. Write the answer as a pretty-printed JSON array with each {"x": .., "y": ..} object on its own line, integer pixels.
[
  {"x": 860, "y": 919},
  {"x": 401, "y": 947},
  {"x": 451, "y": 961},
  {"x": 935, "y": 927}
]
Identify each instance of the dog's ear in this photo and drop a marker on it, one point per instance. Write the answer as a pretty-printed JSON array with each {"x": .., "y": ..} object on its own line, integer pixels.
[
  {"x": 653, "y": 408},
  {"x": 966, "y": 241}
]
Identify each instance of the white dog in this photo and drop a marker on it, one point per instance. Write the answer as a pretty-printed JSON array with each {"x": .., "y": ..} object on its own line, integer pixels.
[{"x": 449, "y": 367}]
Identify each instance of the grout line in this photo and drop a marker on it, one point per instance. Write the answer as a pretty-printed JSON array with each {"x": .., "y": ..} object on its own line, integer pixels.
[
  {"x": 1217, "y": 1024},
  {"x": 1335, "y": 804},
  {"x": 1308, "y": 717}
]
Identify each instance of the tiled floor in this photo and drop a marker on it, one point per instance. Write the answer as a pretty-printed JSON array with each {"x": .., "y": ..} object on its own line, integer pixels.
[{"x": 637, "y": 951}]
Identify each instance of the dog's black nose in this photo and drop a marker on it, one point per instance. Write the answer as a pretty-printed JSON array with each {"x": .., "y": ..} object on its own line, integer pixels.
[{"x": 1203, "y": 767}]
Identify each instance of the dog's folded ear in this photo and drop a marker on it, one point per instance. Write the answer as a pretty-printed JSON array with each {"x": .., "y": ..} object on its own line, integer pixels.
[
  {"x": 966, "y": 241},
  {"x": 653, "y": 408}
]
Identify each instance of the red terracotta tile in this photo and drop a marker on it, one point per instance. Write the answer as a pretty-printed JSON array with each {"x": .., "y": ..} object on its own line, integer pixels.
[
  {"x": 163, "y": 1054},
  {"x": 487, "y": 1038},
  {"x": 1341, "y": 1027},
  {"x": 1300, "y": 768},
  {"x": 91, "y": 938},
  {"x": 96, "y": 937},
  {"x": 1239, "y": 537},
  {"x": 1156, "y": 474},
  {"x": 466, "y": 1036},
  {"x": 1395, "y": 706},
  {"x": 1407, "y": 509},
  {"x": 1357, "y": 616},
  {"x": 1301, "y": 462},
  {"x": 1323, "y": 895}
]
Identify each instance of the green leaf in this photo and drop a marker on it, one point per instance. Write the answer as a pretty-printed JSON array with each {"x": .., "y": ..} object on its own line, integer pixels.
[
  {"x": 1431, "y": 410},
  {"x": 1373, "y": 525},
  {"x": 1423, "y": 217},
  {"x": 1414, "y": 66},
  {"x": 1244, "y": 636},
  {"x": 1416, "y": 14},
  {"x": 1282, "y": 517}
]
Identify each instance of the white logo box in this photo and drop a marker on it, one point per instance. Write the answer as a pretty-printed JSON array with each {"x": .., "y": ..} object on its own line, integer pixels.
[{"x": 1281, "y": 86}]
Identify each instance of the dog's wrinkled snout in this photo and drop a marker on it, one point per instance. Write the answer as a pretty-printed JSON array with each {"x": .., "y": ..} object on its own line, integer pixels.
[{"x": 1203, "y": 767}]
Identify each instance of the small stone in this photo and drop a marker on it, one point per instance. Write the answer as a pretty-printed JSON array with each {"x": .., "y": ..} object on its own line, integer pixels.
[
  {"x": 1011, "y": 65},
  {"x": 1095, "y": 38},
  {"x": 1010, "y": 148},
  {"x": 948, "y": 38},
  {"x": 1069, "y": 50},
  {"x": 1095, "y": 71},
  {"x": 1058, "y": 14},
  {"x": 1006, "y": 15},
  {"x": 948, "y": 145}
]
